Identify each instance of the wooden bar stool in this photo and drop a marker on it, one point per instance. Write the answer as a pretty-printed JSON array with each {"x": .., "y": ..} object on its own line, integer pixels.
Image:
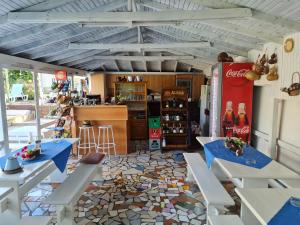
[
  {"x": 86, "y": 142},
  {"x": 106, "y": 140}
]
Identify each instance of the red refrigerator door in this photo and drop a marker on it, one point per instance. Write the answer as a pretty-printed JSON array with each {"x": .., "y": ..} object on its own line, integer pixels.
[{"x": 236, "y": 103}]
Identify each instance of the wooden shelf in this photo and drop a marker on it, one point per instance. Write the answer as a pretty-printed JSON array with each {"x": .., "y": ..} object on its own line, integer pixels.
[
  {"x": 174, "y": 135},
  {"x": 175, "y": 146},
  {"x": 177, "y": 140},
  {"x": 173, "y": 109}
]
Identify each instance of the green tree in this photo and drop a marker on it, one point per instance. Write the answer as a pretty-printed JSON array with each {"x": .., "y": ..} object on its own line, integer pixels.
[{"x": 22, "y": 77}]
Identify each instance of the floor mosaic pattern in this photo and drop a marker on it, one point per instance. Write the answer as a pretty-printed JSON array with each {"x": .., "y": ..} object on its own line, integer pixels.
[{"x": 140, "y": 188}]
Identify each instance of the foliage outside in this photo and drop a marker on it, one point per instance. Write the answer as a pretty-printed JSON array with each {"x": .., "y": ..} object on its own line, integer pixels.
[{"x": 22, "y": 77}]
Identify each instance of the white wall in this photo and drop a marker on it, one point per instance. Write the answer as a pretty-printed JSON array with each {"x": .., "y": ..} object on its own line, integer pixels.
[{"x": 265, "y": 93}]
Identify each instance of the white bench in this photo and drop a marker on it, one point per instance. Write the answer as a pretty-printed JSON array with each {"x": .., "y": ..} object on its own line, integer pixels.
[
  {"x": 70, "y": 191},
  {"x": 289, "y": 183},
  {"x": 4, "y": 200},
  {"x": 212, "y": 190},
  {"x": 35, "y": 220},
  {"x": 225, "y": 220}
]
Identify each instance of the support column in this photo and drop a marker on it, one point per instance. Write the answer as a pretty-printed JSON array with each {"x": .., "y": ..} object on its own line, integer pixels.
[
  {"x": 4, "y": 142},
  {"x": 37, "y": 105}
]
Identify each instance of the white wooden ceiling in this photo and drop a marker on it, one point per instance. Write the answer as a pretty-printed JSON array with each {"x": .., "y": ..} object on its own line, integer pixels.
[{"x": 26, "y": 32}]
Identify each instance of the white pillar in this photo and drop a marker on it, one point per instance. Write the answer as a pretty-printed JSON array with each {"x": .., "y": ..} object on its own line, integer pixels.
[
  {"x": 37, "y": 104},
  {"x": 3, "y": 118},
  {"x": 72, "y": 82}
]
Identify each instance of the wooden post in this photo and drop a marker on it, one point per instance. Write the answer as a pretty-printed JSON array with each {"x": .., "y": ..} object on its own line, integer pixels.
[
  {"x": 3, "y": 118},
  {"x": 37, "y": 105}
]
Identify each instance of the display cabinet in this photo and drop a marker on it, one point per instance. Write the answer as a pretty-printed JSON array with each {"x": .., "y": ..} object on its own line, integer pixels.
[
  {"x": 134, "y": 95},
  {"x": 174, "y": 118}
]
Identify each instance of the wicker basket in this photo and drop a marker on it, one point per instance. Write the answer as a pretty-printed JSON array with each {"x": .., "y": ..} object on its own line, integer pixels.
[{"x": 294, "y": 89}]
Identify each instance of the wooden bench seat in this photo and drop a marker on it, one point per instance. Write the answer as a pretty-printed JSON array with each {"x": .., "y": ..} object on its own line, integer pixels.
[
  {"x": 225, "y": 220},
  {"x": 69, "y": 192},
  {"x": 212, "y": 190}
]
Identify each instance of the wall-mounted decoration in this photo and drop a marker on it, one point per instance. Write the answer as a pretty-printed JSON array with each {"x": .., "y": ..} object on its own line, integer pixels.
[
  {"x": 289, "y": 45},
  {"x": 294, "y": 88}
]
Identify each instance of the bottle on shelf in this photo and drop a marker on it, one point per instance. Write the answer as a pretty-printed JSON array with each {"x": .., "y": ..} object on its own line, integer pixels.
[
  {"x": 181, "y": 130},
  {"x": 174, "y": 103},
  {"x": 180, "y": 104},
  {"x": 164, "y": 142},
  {"x": 167, "y": 105},
  {"x": 174, "y": 129}
]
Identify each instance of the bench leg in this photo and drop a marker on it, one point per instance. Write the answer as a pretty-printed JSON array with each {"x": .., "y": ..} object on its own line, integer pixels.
[
  {"x": 99, "y": 174},
  {"x": 189, "y": 177},
  {"x": 12, "y": 215},
  {"x": 65, "y": 215},
  {"x": 247, "y": 217}
]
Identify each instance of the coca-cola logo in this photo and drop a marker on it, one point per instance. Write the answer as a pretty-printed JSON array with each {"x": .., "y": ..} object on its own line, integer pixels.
[
  {"x": 236, "y": 73},
  {"x": 241, "y": 130}
]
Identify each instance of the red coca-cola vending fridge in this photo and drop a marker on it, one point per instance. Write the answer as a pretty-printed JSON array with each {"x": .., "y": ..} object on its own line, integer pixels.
[{"x": 231, "y": 101}]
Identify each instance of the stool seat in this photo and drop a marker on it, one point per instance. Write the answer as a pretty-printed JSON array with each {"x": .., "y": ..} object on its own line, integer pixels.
[
  {"x": 88, "y": 142},
  {"x": 106, "y": 140}
]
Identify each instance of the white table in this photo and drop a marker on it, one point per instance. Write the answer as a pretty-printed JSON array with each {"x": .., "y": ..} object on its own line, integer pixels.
[
  {"x": 22, "y": 182},
  {"x": 250, "y": 177},
  {"x": 262, "y": 204}
]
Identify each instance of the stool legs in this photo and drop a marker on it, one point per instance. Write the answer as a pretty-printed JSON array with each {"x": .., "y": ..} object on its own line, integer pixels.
[
  {"x": 88, "y": 141},
  {"x": 108, "y": 141}
]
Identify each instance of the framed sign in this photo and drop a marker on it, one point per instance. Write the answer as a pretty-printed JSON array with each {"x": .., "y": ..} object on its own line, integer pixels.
[{"x": 60, "y": 75}]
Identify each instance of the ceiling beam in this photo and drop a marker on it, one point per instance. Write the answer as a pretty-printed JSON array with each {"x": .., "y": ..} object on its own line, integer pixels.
[
  {"x": 116, "y": 64},
  {"x": 128, "y": 47},
  {"x": 8, "y": 61},
  {"x": 218, "y": 45},
  {"x": 143, "y": 58},
  {"x": 89, "y": 55},
  {"x": 14, "y": 37},
  {"x": 223, "y": 25},
  {"x": 69, "y": 33},
  {"x": 105, "y": 37},
  {"x": 258, "y": 15},
  {"x": 93, "y": 17}
]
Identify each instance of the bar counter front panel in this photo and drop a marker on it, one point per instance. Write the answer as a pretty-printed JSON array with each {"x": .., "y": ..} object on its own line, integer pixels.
[{"x": 115, "y": 115}]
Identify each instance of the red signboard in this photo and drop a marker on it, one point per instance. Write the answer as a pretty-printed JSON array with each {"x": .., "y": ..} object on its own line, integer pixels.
[
  {"x": 237, "y": 95},
  {"x": 60, "y": 75}
]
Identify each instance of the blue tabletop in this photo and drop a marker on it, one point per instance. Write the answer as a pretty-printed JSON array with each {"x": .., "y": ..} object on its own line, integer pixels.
[
  {"x": 251, "y": 156},
  {"x": 58, "y": 151},
  {"x": 289, "y": 214}
]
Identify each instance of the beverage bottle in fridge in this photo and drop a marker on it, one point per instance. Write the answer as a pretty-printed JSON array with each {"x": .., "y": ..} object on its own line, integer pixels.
[
  {"x": 241, "y": 126},
  {"x": 228, "y": 120}
]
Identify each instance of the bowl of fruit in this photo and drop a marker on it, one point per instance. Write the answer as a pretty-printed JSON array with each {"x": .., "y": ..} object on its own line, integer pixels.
[
  {"x": 235, "y": 145},
  {"x": 29, "y": 154}
]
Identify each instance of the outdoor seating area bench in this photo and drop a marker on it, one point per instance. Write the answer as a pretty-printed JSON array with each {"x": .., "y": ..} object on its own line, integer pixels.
[
  {"x": 225, "y": 220},
  {"x": 4, "y": 192},
  {"x": 289, "y": 183},
  {"x": 65, "y": 196},
  {"x": 216, "y": 197},
  {"x": 35, "y": 220}
]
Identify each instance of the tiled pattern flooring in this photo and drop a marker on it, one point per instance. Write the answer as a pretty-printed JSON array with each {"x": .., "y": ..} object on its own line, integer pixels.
[{"x": 138, "y": 189}]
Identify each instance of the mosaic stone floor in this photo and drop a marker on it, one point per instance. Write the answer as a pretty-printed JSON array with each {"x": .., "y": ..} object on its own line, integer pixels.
[{"x": 139, "y": 188}]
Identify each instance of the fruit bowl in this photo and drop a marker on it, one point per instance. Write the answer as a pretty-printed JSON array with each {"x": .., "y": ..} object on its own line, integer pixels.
[{"x": 235, "y": 145}]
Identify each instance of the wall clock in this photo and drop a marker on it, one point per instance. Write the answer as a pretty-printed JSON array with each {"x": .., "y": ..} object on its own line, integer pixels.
[{"x": 289, "y": 45}]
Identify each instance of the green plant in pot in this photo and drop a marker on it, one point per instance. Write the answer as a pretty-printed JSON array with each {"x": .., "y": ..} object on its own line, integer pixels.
[{"x": 120, "y": 99}]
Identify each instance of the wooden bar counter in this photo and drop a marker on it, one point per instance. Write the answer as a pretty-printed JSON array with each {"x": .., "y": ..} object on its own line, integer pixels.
[{"x": 115, "y": 115}]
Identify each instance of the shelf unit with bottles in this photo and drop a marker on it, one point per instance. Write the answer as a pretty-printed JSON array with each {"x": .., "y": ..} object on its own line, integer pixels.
[
  {"x": 174, "y": 118},
  {"x": 134, "y": 95}
]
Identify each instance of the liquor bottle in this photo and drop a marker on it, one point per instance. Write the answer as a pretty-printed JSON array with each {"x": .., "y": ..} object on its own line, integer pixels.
[
  {"x": 174, "y": 103},
  {"x": 181, "y": 131},
  {"x": 241, "y": 127},
  {"x": 164, "y": 142},
  {"x": 174, "y": 129},
  {"x": 167, "y": 105},
  {"x": 228, "y": 120}
]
